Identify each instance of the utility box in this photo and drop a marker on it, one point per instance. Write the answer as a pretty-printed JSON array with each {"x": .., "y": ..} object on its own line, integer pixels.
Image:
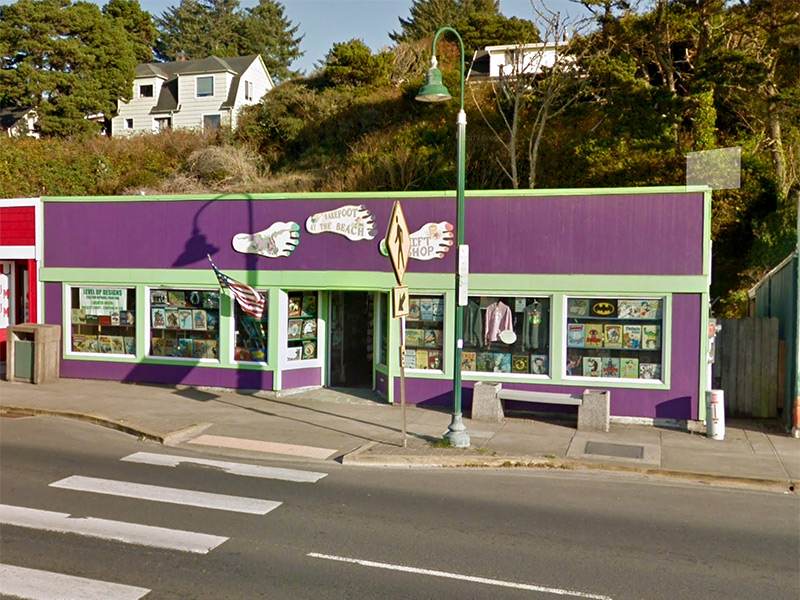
[{"x": 34, "y": 353}]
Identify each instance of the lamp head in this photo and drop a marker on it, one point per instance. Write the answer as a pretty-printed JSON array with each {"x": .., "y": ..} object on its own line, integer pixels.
[{"x": 433, "y": 90}]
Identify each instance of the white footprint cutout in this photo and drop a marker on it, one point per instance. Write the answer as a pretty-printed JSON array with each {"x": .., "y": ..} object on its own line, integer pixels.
[
  {"x": 355, "y": 222},
  {"x": 432, "y": 240},
  {"x": 277, "y": 240}
]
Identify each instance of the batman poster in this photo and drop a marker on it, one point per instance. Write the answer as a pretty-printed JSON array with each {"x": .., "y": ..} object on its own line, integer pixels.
[{"x": 604, "y": 308}]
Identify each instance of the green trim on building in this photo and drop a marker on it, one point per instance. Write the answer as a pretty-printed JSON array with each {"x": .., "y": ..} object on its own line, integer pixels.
[{"x": 676, "y": 189}]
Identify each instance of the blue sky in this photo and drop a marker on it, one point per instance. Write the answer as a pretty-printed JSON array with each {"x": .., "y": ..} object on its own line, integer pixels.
[{"x": 325, "y": 22}]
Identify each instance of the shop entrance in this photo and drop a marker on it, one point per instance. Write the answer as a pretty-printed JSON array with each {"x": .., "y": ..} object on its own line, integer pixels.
[{"x": 351, "y": 338}]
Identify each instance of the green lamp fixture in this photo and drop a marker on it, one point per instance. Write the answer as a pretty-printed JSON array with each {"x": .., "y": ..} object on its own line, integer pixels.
[{"x": 433, "y": 90}]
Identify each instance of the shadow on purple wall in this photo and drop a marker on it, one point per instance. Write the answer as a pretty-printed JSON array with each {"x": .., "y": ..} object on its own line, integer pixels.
[{"x": 676, "y": 408}]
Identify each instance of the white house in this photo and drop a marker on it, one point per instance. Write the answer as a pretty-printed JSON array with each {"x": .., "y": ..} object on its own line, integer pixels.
[
  {"x": 194, "y": 94},
  {"x": 18, "y": 121},
  {"x": 510, "y": 60}
]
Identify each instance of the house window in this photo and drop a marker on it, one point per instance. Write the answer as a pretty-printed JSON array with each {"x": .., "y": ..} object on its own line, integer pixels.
[
  {"x": 102, "y": 320},
  {"x": 146, "y": 91},
  {"x": 211, "y": 122},
  {"x": 184, "y": 323},
  {"x": 425, "y": 333},
  {"x": 128, "y": 123},
  {"x": 507, "y": 334},
  {"x": 205, "y": 86},
  {"x": 301, "y": 328},
  {"x": 248, "y": 90},
  {"x": 163, "y": 124},
  {"x": 250, "y": 334},
  {"x": 617, "y": 338}
]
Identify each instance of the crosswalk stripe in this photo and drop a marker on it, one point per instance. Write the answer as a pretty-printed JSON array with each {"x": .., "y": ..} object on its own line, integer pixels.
[
  {"x": 34, "y": 584},
  {"x": 245, "y": 470},
  {"x": 130, "y": 533},
  {"x": 253, "y": 506}
]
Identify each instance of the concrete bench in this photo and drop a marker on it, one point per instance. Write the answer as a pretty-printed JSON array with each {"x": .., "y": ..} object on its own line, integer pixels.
[{"x": 593, "y": 405}]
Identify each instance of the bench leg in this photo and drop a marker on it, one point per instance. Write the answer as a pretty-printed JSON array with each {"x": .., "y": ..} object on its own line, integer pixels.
[
  {"x": 486, "y": 405},
  {"x": 594, "y": 412}
]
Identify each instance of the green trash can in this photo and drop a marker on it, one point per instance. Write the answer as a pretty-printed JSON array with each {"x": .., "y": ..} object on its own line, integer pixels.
[{"x": 23, "y": 359}]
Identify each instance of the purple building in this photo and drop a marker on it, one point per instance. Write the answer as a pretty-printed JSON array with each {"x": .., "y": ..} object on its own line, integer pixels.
[{"x": 568, "y": 290}]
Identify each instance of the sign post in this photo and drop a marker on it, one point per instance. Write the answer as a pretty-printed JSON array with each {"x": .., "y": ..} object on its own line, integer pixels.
[{"x": 398, "y": 244}]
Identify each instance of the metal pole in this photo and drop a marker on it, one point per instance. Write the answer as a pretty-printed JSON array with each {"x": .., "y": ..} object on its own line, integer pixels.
[
  {"x": 403, "y": 376},
  {"x": 456, "y": 431}
]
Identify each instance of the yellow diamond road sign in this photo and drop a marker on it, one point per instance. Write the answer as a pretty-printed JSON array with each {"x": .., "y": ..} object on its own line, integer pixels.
[{"x": 398, "y": 243}]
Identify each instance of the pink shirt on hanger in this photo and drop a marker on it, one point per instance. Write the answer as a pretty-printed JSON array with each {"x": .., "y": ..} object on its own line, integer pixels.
[{"x": 498, "y": 318}]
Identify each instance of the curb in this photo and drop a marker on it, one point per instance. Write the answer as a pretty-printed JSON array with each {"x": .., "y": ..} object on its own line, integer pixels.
[
  {"x": 357, "y": 458},
  {"x": 87, "y": 418}
]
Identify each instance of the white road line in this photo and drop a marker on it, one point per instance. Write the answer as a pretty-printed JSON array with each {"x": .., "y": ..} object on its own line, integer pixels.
[
  {"x": 253, "y": 506},
  {"x": 460, "y": 577},
  {"x": 222, "y": 441},
  {"x": 245, "y": 470},
  {"x": 34, "y": 584},
  {"x": 129, "y": 533}
]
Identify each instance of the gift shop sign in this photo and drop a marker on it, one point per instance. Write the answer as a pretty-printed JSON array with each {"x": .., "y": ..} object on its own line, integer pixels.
[
  {"x": 352, "y": 221},
  {"x": 103, "y": 301}
]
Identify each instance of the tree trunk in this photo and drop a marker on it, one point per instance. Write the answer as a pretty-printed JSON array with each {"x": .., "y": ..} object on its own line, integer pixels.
[
  {"x": 776, "y": 144},
  {"x": 533, "y": 147}
]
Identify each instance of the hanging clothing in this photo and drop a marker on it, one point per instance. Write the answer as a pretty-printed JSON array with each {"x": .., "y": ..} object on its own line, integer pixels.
[
  {"x": 472, "y": 324},
  {"x": 498, "y": 318},
  {"x": 534, "y": 326}
]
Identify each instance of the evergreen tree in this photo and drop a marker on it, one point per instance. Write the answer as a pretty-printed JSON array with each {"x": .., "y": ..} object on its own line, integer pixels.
[
  {"x": 271, "y": 34},
  {"x": 137, "y": 23},
  {"x": 426, "y": 17},
  {"x": 200, "y": 28},
  {"x": 479, "y": 22},
  {"x": 67, "y": 60}
]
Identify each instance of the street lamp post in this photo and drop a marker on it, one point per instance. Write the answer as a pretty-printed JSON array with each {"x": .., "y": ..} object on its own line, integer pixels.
[{"x": 435, "y": 91}]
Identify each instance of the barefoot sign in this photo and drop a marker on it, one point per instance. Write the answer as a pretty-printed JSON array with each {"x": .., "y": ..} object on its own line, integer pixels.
[
  {"x": 353, "y": 222},
  {"x": 277, "y": 240},
  {"x": 430, "y": 241}
]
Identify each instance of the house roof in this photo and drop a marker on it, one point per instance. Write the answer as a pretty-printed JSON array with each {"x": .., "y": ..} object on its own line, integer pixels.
[
  {"x": 11, "y": 115},
  {"x": 169, "y": 71}
]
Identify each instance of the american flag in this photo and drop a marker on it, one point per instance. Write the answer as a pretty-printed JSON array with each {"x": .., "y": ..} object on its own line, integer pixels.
[{"x": 250, "y": 301}]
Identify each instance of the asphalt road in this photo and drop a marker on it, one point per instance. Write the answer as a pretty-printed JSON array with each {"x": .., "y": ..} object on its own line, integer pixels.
[{"x": 427, "y": 534}]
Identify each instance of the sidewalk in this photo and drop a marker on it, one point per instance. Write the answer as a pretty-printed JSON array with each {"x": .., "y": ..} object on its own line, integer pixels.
[{"x": 330, "y": 425}]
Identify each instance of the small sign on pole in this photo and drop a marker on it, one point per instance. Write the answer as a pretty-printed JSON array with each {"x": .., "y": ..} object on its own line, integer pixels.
[
  {"x": 463, "y": 274},
  {"x": 399, "y": 302}
]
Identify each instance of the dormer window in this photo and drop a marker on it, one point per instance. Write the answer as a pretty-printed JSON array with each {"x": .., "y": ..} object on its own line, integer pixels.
[
  {"x": 205, "y": 86},
  {"x": 146, "y": 91}
]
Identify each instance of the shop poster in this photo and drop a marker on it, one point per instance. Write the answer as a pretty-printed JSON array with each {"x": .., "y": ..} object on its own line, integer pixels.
[
  {"x": 278, "y": 240},
  {"x": 103, "y": 301},
  {"x": 355, "y": 222},
  {"x": 432, "y": 240}
]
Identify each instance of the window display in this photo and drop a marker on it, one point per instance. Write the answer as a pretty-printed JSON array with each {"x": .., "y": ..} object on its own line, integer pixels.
[
  {"x": 425, "y": 333},
  {"x": 507, "y": 335},
  {"x": 184, "y": 323},
  {"x": 301, "y": 331},
  {"x": 250, "y": 334},
  {"x": 103, "y": 320},
  {"x": 614, "y": 338}
]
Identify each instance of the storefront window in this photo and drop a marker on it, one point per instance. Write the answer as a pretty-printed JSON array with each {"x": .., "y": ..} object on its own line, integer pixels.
[
  {"x": 301, "y": 332},
  {"x": 615, "y": 337},
  {"x": 251, "y": 341},
  {"x": 383, "y": 329},
  {"x": 507, "y": 335},
  {"x": 103, "y": 320},
  {"x": 184, "y": 323},
  {"x": 425, "y": 332}
]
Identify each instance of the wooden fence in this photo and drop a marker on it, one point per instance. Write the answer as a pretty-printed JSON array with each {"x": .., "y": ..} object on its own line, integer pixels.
[{"x": 747, "y": 362}]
